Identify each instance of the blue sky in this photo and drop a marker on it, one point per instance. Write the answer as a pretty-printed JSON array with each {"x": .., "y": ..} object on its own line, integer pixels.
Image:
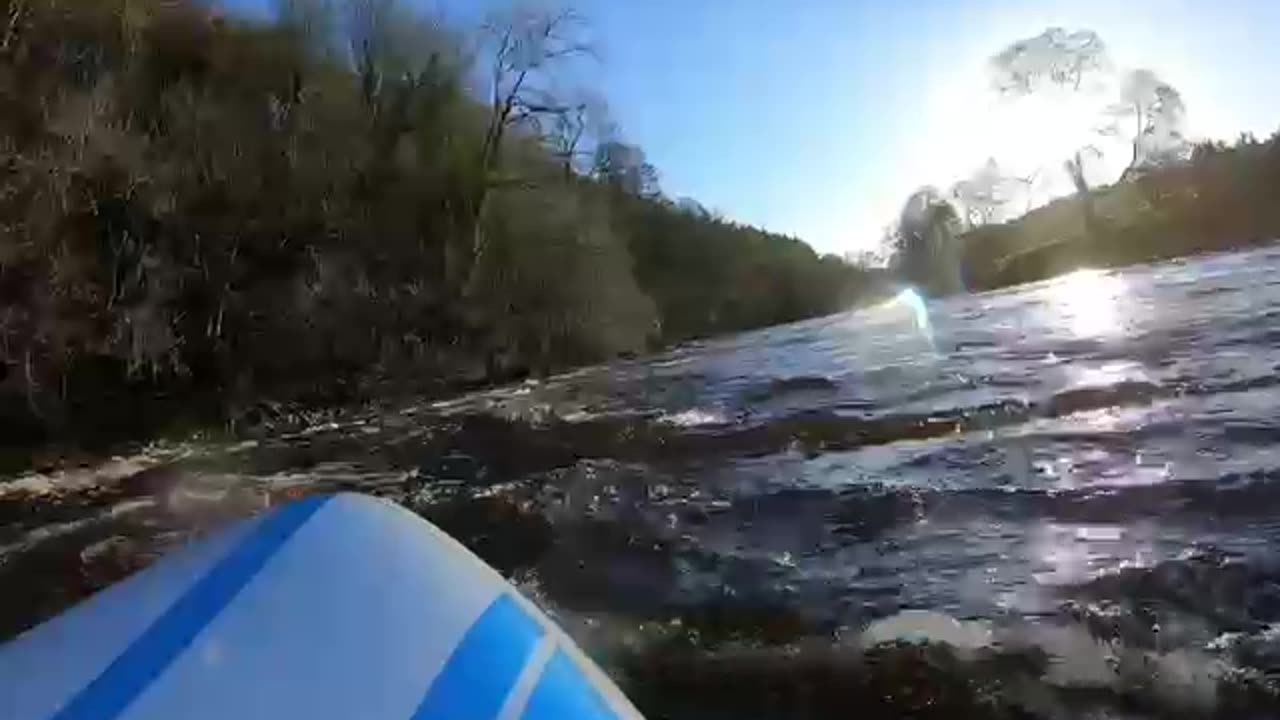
[{"x": 817, "y": 117}]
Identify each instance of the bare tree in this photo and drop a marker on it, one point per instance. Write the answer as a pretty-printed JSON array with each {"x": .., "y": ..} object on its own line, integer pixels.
[
  {"x": 574, "y": 134},
  {"x": 1070, "y": 62},
  {"x": 1054, "y": 61},
  {"x": 12, "y": 23},
  {"x": 387, "y": 42},
  {"x": 924, "y": 248},
  {"x": 523, "y": 48},
  {"x": 526, "y": 46},
  {"x": 981, "y": 196},
  {"x": 1028, "y": 185},
  {"x": 1054, "y": 58},
  {"x": 625, "y": 168},
  {"x": 1150, "y": 113},
  {"x": 1076, "y": 167}
]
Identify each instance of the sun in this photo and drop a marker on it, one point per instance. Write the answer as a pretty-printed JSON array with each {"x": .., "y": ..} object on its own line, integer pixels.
[
  {"x": 1040, "y": 132},
  {"x": 1028, "y": 137}
]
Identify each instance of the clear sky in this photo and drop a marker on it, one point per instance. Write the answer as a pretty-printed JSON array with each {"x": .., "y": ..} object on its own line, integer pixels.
[{"x": 818, "y": 117}]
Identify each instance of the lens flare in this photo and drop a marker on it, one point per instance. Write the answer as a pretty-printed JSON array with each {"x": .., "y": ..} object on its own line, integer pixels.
[
  {"x": 914, "y": 302},
  {"x": 910, "y": 300}
]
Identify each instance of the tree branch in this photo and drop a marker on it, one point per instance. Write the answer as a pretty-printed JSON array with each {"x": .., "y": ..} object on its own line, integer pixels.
[{"x": 16, "y": 10}]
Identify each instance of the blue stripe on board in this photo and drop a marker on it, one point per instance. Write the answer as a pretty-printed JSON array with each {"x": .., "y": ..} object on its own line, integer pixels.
[
  {"x": 143, "y": 661},
  {"x": 484, "y": 666},
  {"x": 563, "y": 692}
]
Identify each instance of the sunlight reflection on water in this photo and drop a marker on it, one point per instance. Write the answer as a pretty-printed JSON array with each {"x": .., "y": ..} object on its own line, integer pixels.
[
  {"x": 1106, "y": 375},
  {"x": 1089, "y": 303},
  {"x": 1069, "y": 553}
]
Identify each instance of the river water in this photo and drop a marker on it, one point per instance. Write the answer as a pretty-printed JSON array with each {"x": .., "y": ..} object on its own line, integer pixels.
[{"x": 1058, "y": 500}]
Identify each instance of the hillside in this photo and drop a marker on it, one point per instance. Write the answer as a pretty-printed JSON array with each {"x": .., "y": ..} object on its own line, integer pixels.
[{"x": 204, "y": 218}]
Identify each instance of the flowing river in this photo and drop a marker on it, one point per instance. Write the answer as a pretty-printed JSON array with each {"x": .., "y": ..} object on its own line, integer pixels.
[{"x": 1058, "y": 500}]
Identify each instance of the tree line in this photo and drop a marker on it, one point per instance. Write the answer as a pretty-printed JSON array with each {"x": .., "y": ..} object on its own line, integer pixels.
[
  {"x": 199, "y": 211},
  {"x": 1219, "y": 198}
]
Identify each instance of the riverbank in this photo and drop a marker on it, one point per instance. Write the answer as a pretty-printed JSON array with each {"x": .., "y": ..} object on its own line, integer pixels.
[{"x": 1221, "y": 198}]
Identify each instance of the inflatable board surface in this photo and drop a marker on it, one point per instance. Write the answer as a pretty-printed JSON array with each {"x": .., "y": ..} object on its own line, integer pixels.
[{"x": 339, "y": 607}]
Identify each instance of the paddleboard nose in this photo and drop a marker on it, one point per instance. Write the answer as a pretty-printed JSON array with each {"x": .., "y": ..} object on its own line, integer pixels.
[{"x": 343, "y": 606}]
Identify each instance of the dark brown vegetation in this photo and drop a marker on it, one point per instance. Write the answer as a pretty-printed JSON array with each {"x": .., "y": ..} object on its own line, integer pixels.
[{"x": 200, "y": 214}]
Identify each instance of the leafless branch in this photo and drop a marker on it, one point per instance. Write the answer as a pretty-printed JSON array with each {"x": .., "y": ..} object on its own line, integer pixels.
[{"x": 17, "y": 9}]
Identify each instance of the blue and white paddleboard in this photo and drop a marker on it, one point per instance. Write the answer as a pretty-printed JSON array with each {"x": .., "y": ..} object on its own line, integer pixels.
[{"x": 343, "y": 607}]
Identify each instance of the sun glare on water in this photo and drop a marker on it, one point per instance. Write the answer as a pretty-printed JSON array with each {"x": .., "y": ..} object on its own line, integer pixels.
[{"x": 1087, "y": 302}]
